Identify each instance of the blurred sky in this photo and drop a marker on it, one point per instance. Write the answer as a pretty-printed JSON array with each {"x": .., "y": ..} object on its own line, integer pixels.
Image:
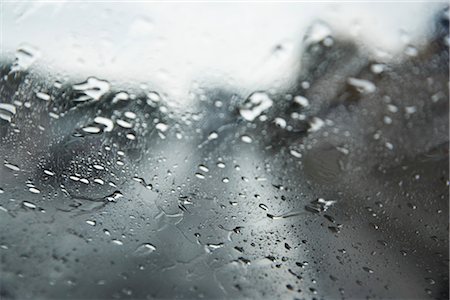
[{"x": 168, "y": 45}]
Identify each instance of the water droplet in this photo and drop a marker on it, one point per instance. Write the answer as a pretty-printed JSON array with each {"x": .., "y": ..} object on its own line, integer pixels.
[
  {"x": 368, "y": 270},
  {"x": 199, "y": 175},
  {"x": 246, "y": 139},
  {"x": 120, "y": 96},
  {"x": 390, "y": 146},
  {"x": 130, "y": 136},
  {"x": 162, "y": 127},
  {"x": 74, "y": 178},
  {"x": 213, "y": 135},
  {"x": 255, "y": 105},
  {"x": 392, "y": 108},
  {"x": 49, "y": 173},
  {"x": 302, "y": 101},
  {"x": 99, "y": 181},
  {"x": 387, "y": 120},
  {"x": 317, "y": 32},
  {"x": 43, "y": 96},
  {"x": 203, "y": 168},
  {"x": 295, "y": 153},
  {"x": 153, "y": 97},
  {"x": 91, "y": 129},
  {"x": 109, "y": 125},
  {"x": 25, "y": 56},
  {"x": 144, "y": 249},
  {"x": 315, "y": 124},
  {"x": 114, "y": 196},
  {"x": 117, "y": 242},
  {"x": 142, "y": 181},
  {"x": 130, "y": 115},
  {"x": 319, "y": 205},
  {"x": 220, "y": 165},
  {"x": 11, "y": 166},
  {"x": 92, "y": 89},
  {"x": 377, "y": 68},
  {"x": 34, "y": 190},
  {"x": 410, "y": 109},
  {"x": 280, "y": 122},
  {"x": 263, "y": 206},
  {"x": 124, "y": 124},
  {"x": 29, "y": 205},
  {"x": 91, "y": 222},
  {"x": 7, "y": 111},
  {"x": 363, "y": 86},
  {"x": 211, "y": 247}
]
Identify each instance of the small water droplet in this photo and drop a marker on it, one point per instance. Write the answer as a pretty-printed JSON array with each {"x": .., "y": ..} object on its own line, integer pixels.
[
  {"x": 117, "y": 242},
  {"x": 49, "y": 173},
  {"x": 377, "y": 68},
  {"x": 213, "y": 135},
  {"x": 302, "y": 101},
  {"x": 34, "y": 190},
  {"x": 11, "y": 166},
  {"x": 246, "y": 139},
  {"x": 203, "y": 168},
  {"x": 212, "y": 247},
  {"x": 130, "y": 136},
  {"x": 124, "y": 124},
  {"x": 142, "y": 181},
  {"x": 29, "y": 205},
  {"x": 43, "y": 96},
  {"x": 295, "y": 153},
  {"x": 91, "y": 222},
  {"x": 99, "y": 181},
  {"x": 199, "y": 175},
  {"x": 363, "y": 86},
  {"x": 315, "y": 124},
  {"x": 130, "y": 115},
  {"x": 91, "y": 129},
  {"x": 144, "y": 249},
  {"x": 280, "y": 122}
]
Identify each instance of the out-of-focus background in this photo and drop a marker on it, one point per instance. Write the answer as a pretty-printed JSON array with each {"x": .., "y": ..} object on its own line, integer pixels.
[
  {"x": 224, "y": 150},
  {"x": 172, "y": 45}
]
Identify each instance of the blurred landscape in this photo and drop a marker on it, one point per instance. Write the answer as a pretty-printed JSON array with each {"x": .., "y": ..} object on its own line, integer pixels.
[{"x": 330, "y": 183}]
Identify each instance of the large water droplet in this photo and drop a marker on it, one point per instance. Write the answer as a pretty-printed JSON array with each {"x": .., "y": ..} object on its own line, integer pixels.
[
  {"x": 255, "y": 105},
  {"x": 7, "y": 111},
  {"x": 144, "y": 249},
  {"x": 92, "y": 89}
]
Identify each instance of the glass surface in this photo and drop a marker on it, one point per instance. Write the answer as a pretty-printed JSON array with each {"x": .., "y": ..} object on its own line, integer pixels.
[{"x": 224, "y": 150}]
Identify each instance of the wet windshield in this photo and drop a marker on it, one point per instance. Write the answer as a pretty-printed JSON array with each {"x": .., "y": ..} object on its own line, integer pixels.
[{"x": 261, "y": 151}]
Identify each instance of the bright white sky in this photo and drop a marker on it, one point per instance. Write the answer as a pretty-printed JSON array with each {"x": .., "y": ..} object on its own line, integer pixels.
[{"x": 168, "y": 45}]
